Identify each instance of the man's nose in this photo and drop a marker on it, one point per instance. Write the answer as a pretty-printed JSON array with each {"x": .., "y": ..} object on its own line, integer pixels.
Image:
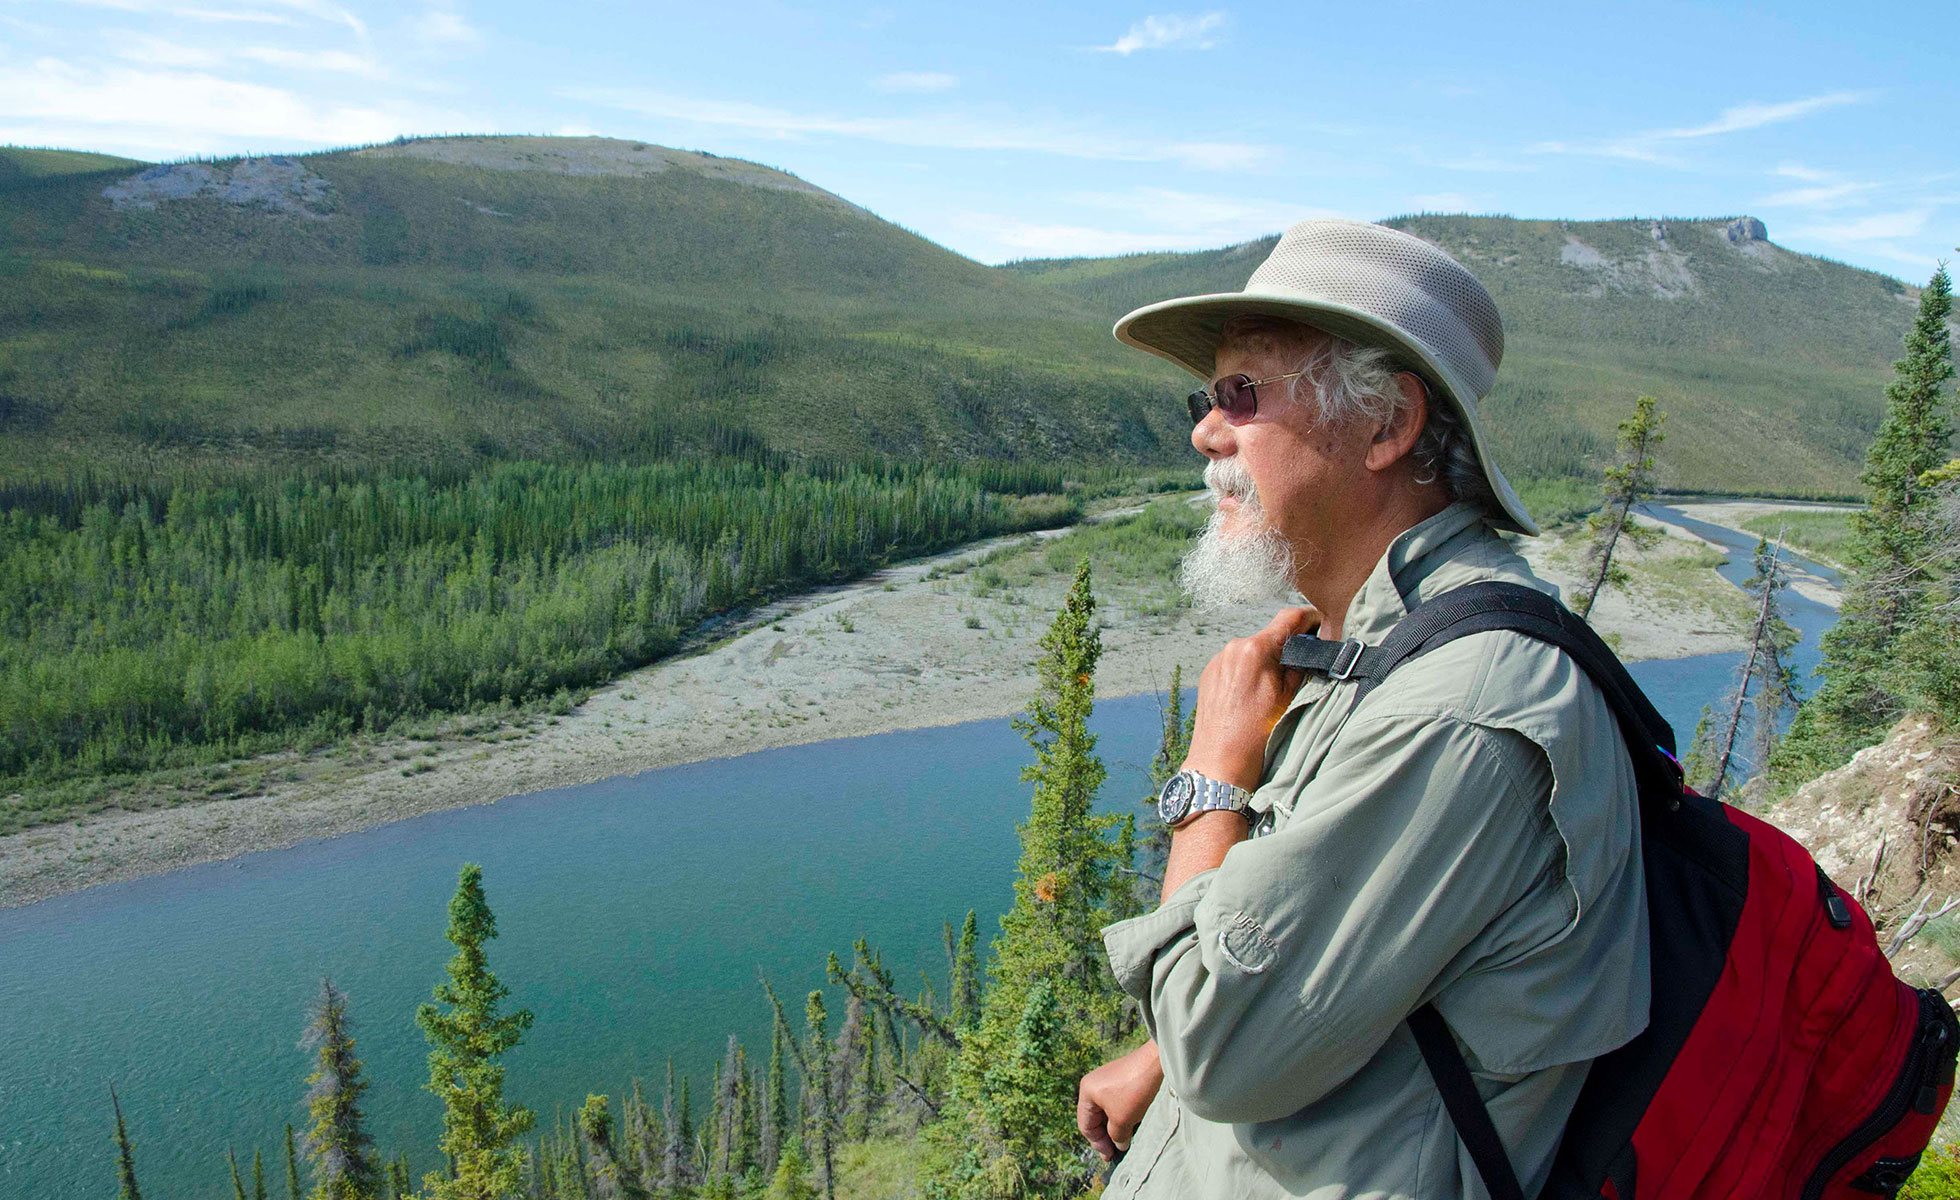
[{"x": 1212, "y": 437}]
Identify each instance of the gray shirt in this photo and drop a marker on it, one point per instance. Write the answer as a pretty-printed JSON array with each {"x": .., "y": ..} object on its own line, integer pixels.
[{"x": 1468, "y": 836}]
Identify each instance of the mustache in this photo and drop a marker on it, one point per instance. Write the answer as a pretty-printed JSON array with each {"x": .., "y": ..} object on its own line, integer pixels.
[{"x": 1228, "y": 477}]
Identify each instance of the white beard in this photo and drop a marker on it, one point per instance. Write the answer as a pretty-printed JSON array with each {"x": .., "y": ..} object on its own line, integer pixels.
[{"x": 1251, "y": 565}]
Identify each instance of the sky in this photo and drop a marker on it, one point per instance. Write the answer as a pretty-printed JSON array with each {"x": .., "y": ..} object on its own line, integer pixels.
[{"x": 1008, "y": 131}]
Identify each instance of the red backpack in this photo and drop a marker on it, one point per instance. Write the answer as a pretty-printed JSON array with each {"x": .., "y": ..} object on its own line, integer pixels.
[{"x": 1782, "y": 1058}]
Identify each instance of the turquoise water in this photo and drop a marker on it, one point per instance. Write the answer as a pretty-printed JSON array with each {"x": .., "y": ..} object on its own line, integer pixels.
[{"x": 635, "y": 916}]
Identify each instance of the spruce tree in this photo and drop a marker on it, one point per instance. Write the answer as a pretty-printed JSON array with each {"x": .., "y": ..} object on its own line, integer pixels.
[
  {"x": 337, "y": 1144},
  {"x": 1173, "y": 746},
  {"x": 467, "y": 1036},
  {"x": 775, "y": 1100},
  {"x": 643, "y": 1137},
  {"x": 965, "y": 984},
  {"x": 817, "y": 1084},
  {"x": 125, "y": 1160},
  {"x": 792, "y": 1176},
  {"x": 1927, "y": 646},
  {"x": 612, "y": 1179},
  {"x": 1713, "y": 758},
  {"x": 292, "y": 1166},
  {"x": 1866, "y": 685},
  {"x": 1627, "y": 482},
  {"x": 1049, "y": 936},
  {"x": 258, "y": 1175},
  {"x": 237, "y": 1180}
]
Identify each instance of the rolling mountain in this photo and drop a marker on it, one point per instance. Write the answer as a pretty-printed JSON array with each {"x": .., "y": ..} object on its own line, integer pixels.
[{"x": 510, "y": 297}]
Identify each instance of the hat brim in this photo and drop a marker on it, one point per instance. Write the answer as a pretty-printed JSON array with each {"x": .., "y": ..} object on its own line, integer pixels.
[{"x": 1187, "y": 331}]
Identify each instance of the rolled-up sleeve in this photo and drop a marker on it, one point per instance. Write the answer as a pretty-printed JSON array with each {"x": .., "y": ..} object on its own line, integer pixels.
[{"x": 1270, "y": 980}]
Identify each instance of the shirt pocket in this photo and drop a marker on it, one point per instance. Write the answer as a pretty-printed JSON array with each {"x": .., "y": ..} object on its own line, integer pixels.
[{"x": 1146, "y": 1148}]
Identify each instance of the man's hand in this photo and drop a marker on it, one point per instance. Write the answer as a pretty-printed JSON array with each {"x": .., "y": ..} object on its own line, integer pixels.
[
  {"x": 1111, "y": 1100},
  {"x": 1241, "y": 695}
]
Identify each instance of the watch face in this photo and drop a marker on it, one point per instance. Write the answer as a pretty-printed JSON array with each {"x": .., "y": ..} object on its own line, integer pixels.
[{"x": 1175, "y": 801}]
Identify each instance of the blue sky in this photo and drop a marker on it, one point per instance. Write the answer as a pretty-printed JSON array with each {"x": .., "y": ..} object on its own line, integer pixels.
[{"x": 1011, "y": 131}]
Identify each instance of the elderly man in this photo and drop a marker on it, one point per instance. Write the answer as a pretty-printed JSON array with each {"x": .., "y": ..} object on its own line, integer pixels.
[{"x": 1466, "y": 836}]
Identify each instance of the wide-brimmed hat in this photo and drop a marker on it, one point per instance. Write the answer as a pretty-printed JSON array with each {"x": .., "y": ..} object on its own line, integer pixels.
[{"x": 1374, "y": 286}]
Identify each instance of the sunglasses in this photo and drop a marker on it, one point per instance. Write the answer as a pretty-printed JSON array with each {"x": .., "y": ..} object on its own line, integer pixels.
[{"x": 1235, "y": 395}]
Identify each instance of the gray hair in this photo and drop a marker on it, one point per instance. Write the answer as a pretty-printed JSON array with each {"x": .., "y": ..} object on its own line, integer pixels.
[{"x": 1352, "y": 382}]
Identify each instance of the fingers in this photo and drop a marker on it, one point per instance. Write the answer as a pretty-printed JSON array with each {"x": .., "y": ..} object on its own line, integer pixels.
[
  {"x": 1121, "y": 1132},
  {"x": 1094, "y": 1124},
  {"x": 1287, "y": 622}
]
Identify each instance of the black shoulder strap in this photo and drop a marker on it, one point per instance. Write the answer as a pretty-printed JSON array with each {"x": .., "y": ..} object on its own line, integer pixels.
[
  {"x": 1480, "y": 608},
  {"x": 1460, "y": 612},
  {"x": 1465, "y": 1103}
]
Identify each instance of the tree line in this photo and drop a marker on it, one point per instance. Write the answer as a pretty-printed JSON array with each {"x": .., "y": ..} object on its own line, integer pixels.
[
  {"x": 981, "y": 1074},
  {"x": 183, "y": 621}
]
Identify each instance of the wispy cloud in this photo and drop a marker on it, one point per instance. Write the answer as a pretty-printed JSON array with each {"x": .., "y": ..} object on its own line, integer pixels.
[
  {"x": 167, "y": 114},
  {"x": 916, "y": 81},
  {"x": 152, "y": 51},
  {"x": 1806, "y": 174},
  {"x": 1169, "y": 30},
  {"x": 1653, "y": 145},
  {"x": 1144, "y": 219},
  {"x": 1824, "y": 195},
  {"x": 1869, "y": 228},
  {"x": 253, "y": 12},
  {"x": 946, "y": 131},
  {"x": 337, "y": 61},
  {"x": 443, "y": 24}
]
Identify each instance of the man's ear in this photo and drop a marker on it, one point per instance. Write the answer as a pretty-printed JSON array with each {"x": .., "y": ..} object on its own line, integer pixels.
[{"x": 1395, "y": 437}]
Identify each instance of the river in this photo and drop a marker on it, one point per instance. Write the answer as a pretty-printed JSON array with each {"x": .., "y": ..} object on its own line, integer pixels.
[{"x": 635, "y": 917}]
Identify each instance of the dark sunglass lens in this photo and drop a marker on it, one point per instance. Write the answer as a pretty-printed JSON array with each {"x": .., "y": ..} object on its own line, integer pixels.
[
  {"x": 1235, "y": 396},
  {"x": 1199, "y": 402}
]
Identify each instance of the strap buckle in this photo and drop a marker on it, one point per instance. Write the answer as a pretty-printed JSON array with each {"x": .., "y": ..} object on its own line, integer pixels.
[{"x": 1346, "y": 659}]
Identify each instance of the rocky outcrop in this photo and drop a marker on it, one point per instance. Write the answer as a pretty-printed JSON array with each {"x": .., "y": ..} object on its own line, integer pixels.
[
  {"x": 1886, "y": 826},
  {"x": 1744, "y": 230},
  {"x": 278, "y": 182}
]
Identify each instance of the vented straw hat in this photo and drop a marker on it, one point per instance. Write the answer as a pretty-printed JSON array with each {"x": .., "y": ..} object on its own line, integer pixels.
[{"x": 1372, "y": 285}]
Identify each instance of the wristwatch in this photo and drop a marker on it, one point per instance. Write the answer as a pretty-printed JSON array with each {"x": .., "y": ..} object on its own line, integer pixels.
[{"x": 1187, "y": 793}]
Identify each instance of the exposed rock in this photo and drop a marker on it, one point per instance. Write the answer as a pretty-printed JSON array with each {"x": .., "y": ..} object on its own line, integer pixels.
[
  {"x": 1658, "y": 231},
  {"x": 1743, "y": 230},
  {"x": 1576, "y": 253},
  {"x": 1886, "y": 826},
  {"x": 278, "y": 182}
]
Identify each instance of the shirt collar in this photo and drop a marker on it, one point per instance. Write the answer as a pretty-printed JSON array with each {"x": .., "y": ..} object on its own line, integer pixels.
[{"x": 1409, "y": 561}]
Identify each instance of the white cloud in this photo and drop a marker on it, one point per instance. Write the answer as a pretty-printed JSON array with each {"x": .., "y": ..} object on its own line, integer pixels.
[
  {"x": 947, "y": 131},
  {"x": 1168, "y": 30},
  {"x": 1870, "y": 228},
  {"x": 915, "y": 81},
  {"x": 1651, "y": 146},
  {"x": 441, "y": 24},
  {"x": 164, "y": 114},
  {"x": 1754, "y": 115},
  {"x": 154, "y": 51},
  {"x": 1824, "y": 195},
  {"x": 338, "y": 61},
  {"x": 1143, "y": 219},
  {"x": 1807, "y": 174}
]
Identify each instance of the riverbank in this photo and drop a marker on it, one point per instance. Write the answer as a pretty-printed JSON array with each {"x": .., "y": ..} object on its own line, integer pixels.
[{"x": 935, "y": 641}]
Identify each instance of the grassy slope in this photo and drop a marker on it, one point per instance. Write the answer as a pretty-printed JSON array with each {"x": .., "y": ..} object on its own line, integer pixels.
[
  {"x": 438, "y": 309},
  {"x": 503, "y": 306}
]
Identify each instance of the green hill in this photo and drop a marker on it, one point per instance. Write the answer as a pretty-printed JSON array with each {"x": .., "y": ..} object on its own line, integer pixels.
[
  {"x": 459, "y": 299},
  {"x": 523, "y": 297}
]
